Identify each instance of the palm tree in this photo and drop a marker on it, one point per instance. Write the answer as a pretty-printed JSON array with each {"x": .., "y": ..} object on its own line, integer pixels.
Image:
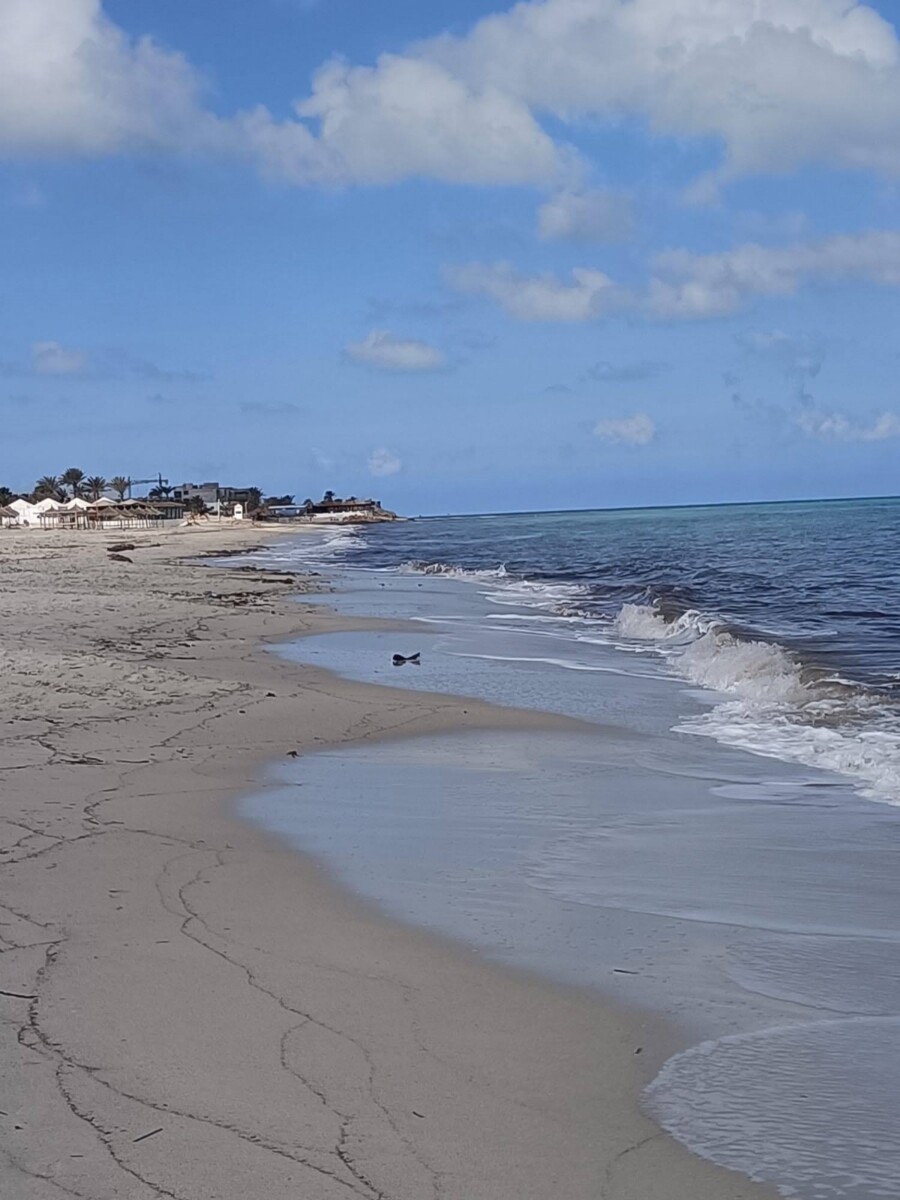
[
  {"x": 48, "y": 486},
  {"x": 120, "y": 485},
  {"x": 96, "y": 486},
  {"x": 73, "y": 478},
  {"x": 6, "y": 496}
]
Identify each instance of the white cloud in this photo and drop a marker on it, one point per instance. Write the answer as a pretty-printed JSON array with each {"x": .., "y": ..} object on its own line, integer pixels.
[
  {"x": 72, "y": 81},
  {"x": 411, "y": 117},
  {"x": 589, "y": 295},
  {"x": 637, "y": 430},
  {"x": 597, "y": 215},
  {"x": 384, "y": 462},
  {"x": 380, "y": 349},
  {"x": 836, "y": 427},
  {"x": 706, "y": 285},
  {"x": 50, "y": 358},
  {"x": 779, "y": 83},
  {"x": 687, "y": 286}
]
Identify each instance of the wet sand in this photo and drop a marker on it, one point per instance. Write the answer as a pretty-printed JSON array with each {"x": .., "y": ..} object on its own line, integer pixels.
[{"x": 189, "y": 1009}]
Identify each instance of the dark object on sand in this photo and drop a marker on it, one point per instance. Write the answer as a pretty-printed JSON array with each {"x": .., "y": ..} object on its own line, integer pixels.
[
  {"x": 118, "y": 547},
  {"x": 144, "y": 1136},
  {"x": 293, "y": 753},
  {"x": 400, "y": 660},
  {"x": 120, "y": 558}
]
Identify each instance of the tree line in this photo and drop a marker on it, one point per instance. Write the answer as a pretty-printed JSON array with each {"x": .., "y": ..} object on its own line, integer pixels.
[{"x": 71, "y": 483}]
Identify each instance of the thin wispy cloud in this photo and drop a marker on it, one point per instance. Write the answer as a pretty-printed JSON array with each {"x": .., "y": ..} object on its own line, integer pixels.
[
  {"x": 630, "y": 372},
  {"x": 597, "y": 215},
  {"x": 383, "y": 351},
  {"x": 838, "y": 427},
  {"x": 586, "y": 296},
  {"x": 799, "y": 357},
  {"x": 383, "y": 463},
  {"x": 687, "y": 286},
  {"x": 53, "y": 358},
  {"x": 50, "y": 358},
  {"x": 636, "y": 430}
]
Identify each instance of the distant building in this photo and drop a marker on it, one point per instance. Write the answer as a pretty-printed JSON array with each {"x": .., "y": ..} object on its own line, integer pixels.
[
  {"x": 248, "y": 497},
  {"x": 207, "y": 492},
  {"x": 213, "y": 494}
]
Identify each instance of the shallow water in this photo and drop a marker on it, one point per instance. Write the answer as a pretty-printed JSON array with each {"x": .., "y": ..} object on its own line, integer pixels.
[{"x": 576, "y": 857}]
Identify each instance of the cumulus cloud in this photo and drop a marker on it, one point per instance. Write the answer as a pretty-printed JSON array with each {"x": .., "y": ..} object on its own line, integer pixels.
[
  {"x": 637, "y": 430},
  {"x": 837, "y": 427},
  {"x": 381, "y": 350},
  {"x": 50, "y": 358},
  {"x": 779, "y": 83},
  {"x": 590, "y": 294},
  {"x": 72, "y": 81},
  {"x": 384, "y": 462},
  {"x": 688, "y": 286},
  {"x": 597, "y": 215}
]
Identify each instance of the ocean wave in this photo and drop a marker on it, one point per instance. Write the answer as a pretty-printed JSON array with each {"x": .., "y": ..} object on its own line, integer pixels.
[
  {"x": 707, "y": 652},
  {"x": 777, "y": 706},
  {"x": 416, "y": 567},
  {"x": 782, "y": 708},
  {"x": 315, "y": 547}
]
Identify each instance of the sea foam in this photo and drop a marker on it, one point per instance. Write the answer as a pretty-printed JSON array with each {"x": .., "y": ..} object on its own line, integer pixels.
[{"x": 781, "y": 707}]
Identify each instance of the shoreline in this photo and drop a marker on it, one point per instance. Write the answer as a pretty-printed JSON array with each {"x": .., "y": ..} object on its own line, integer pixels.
[{"x": 194, "y": 1009}]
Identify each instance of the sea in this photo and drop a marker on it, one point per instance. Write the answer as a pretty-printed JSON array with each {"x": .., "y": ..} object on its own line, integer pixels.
[{"x": 717, "y": 841}]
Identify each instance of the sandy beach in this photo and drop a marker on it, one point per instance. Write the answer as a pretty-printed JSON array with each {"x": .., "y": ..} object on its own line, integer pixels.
[{"x": 190, "y": 1009}]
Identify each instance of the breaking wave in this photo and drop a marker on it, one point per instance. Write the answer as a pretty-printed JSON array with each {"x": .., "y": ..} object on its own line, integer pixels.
[
  {"x": 778, "y": 705},
  {"x": 781, "y": 707},
  {"x": 451, "y": 572}
]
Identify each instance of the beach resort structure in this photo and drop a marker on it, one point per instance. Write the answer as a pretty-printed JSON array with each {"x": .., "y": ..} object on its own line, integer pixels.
[
  {"x": 330, "y": 512},
  {"x": 189, "y": 502},
  {"x": 104, "y": 513}
]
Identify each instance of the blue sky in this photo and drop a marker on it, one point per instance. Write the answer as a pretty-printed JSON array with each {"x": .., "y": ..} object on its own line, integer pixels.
[{"x": 461, "y": 256}]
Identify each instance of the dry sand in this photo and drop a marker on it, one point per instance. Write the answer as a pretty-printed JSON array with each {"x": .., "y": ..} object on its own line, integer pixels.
[{"x": 190, "y": 1010}]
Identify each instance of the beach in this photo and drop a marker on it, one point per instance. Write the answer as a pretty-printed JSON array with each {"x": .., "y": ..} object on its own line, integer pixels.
[{"x": 192, "y": 1009}]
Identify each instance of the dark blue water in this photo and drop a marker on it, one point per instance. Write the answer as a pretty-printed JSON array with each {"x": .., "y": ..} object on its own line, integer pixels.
[{"x": 821, "y": 579}]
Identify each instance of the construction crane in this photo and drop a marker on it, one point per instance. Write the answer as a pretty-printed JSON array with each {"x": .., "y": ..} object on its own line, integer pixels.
[{"x": 157, "y": 480}]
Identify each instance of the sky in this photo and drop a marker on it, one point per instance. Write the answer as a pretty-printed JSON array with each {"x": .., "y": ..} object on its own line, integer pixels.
[{"x": 458, "y": 256}]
